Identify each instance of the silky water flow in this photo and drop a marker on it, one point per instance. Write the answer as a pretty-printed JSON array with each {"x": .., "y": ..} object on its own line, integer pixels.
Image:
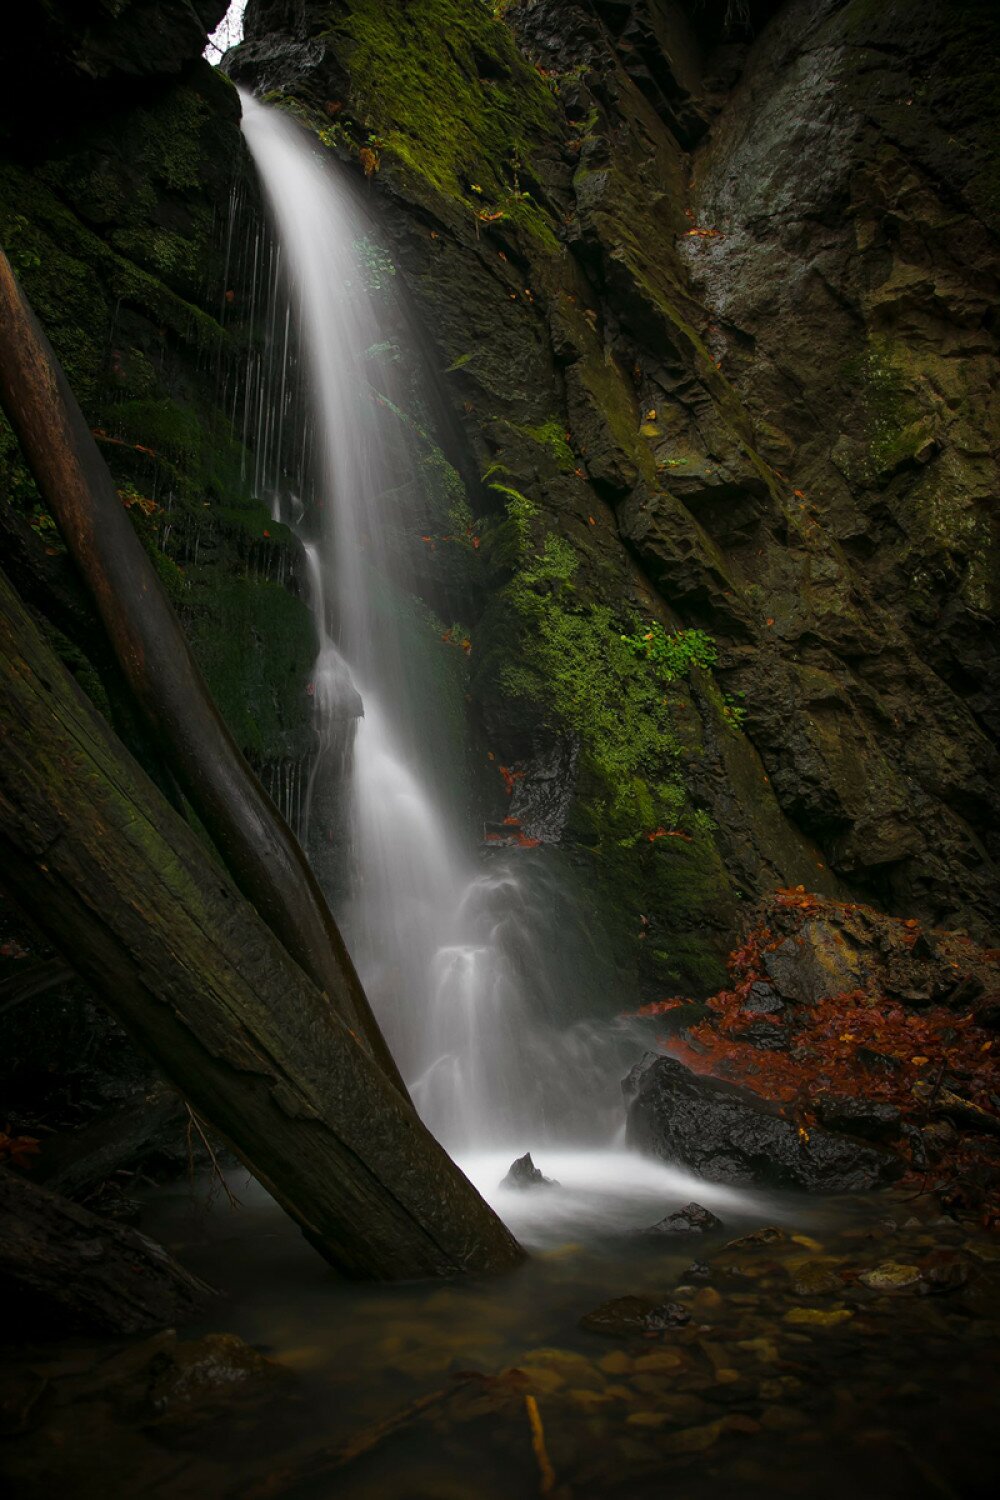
[{"x": 455, "y": 957}]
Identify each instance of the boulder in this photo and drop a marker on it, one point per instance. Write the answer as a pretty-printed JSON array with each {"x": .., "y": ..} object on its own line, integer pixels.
[
  {"x": 630, "y": 1315},
  {"x": 524, "y": 1174},
  {"x": 727, "y": 1134},
  {"x": 693, "y": 1219}
]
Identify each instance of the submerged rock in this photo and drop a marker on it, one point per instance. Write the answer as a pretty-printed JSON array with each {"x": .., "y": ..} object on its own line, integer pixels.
[
  {"x": 693, "y": 1219},
  {"x": 625, "y": 1315},
  {"x": 890, "y": 1276},
  {"x": 728, "y": 1134},
  {"x": 524, "y": 1174}
]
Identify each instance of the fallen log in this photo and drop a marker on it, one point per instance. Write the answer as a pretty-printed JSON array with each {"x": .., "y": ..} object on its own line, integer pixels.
[
  {"x": 256, "y": 845},
  {"x": 122, "y": 885},
  {"x": 122, "y": 1139},
  {"x": 60, "y": 1263}
]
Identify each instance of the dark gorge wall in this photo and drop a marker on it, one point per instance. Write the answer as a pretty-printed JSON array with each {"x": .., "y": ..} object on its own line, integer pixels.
[
  {"x": 120, "y": 167},
  {"x": 706, "y": 295},
  {"x": 711, "y": 291}
]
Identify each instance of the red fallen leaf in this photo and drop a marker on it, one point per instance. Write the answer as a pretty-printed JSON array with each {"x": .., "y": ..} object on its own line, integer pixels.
[
  {"x": 591, "y": 521},
  {"x": 799, "y": 494},
  {"x": 771, "y": 620},
  {"x": 493, "y": 838},
  {"x": 911, "y": 922},
  {"x": 141, "y": 448},
  {"x": 509, "y": 778},
  {"x": 512, "y": 822},
  {"x": 18, "y": 1149},
  {"x": 669, "y": 833},
  {"x": 230, "y": 297},
  {"x": 658, "y": 1007},
  {"x": 268, "y": 535},
  {"x": 523, "y": 842}
]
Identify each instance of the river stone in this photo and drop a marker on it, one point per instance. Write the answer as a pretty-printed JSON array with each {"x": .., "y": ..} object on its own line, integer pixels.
[
  {"x": 768, "y": 1234},
  {"x": 728, "y": 1134},
  {"x": 630, "y": 1315},
  {"x": 890, "y": 1276},
  {"x": 692, "y": 1219},
  {"x": 524, "y": 1174}
]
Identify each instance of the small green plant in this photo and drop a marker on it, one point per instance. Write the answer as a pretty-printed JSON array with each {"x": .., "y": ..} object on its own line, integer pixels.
[{"x": 673, "y": 654}]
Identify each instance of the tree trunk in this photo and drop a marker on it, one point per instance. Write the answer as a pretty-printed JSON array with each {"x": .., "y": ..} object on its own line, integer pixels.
[
  {"x": 81, "y": 1271},
  {"x": 258, "y": 848},
  {"x": 122, "y": 886}
]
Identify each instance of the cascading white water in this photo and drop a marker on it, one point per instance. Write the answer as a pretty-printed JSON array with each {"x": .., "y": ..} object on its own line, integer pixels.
[{"x": 446, "y": 951}]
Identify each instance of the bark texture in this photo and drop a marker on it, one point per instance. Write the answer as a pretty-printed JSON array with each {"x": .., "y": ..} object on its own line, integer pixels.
[
  {"x": 91, "y": 1274},
  {"x": 257, "y": 846},
  {"x": 119, "y": 882}
]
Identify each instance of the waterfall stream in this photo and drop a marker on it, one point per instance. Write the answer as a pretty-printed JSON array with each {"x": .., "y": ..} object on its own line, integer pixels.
[{"x": 452, "y": 955}]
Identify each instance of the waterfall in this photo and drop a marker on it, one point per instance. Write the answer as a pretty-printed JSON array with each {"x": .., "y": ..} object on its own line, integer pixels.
[{"x": 452, "y": 956}]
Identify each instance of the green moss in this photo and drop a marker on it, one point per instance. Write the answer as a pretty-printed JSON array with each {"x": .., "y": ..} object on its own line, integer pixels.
[
  {"x": 255, "y": 643},
  {"x": 446, "y": 93},
  {"x": 552, "y": 437}
]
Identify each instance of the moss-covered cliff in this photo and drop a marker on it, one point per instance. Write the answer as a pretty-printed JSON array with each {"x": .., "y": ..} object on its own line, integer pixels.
[{"x": 646, "y": 482}]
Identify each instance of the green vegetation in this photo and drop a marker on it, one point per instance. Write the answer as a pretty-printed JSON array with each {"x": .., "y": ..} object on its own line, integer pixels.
[
  {"x": 673, "y": 654},
  {"x": 451, "y": 101}
]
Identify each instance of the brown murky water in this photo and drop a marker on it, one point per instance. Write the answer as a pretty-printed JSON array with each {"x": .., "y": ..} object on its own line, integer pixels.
[{"x": 853, "y": 1351}]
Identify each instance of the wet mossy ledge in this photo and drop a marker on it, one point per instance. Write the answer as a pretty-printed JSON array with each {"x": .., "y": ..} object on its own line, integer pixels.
[{"x": 119, "y": 238}]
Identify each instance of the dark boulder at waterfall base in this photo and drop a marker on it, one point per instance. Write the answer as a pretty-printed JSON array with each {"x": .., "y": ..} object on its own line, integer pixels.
[{"x": 728, "y": 1134}]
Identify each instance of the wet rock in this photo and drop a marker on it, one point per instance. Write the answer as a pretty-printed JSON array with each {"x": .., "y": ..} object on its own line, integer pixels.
[
  {"x": 728, "y": 1134},
  {"x": 946, "y": 1273},
  {"x": 812, "y": 965},
  {"x": 769, "y": 1234},
  {"x": 871, "y": 1119},
  {"x": 765, "y": 1035},
  {"x": 698, "y": 1270},
  {"x": 202, "y": 1373},
  {"x": 632, "y": 1315},
  {"x": 693, "y": 1219},
  {"x": 818, "y": 1317},
  {"x": 763, "y": 1000},
  {"x": 524, "y": 1174},
  {"x": 816, "y": 1280},
  {"x": 890, "y": 1276}
]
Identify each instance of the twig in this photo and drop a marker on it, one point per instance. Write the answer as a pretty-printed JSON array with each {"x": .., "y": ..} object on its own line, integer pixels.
[
  {"x": 548, "y": 1473},
  {"x": 328, "y": 1460},
  {"x": 194, "y": 1122}
]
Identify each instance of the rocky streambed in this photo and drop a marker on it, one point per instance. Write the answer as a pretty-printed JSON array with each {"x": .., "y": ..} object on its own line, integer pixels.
[{"x": 844, "y": 1342}]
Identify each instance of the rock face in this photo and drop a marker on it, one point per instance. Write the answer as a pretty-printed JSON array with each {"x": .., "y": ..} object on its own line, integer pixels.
[
  {"x": 704, "y": 293},
  {"x": 728, "y": 1134},
  {"x": 636, "y": 365}
]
